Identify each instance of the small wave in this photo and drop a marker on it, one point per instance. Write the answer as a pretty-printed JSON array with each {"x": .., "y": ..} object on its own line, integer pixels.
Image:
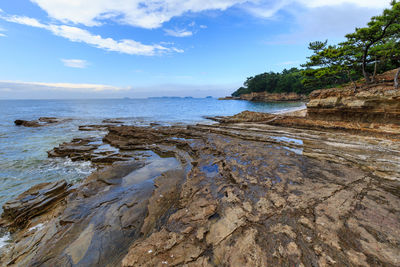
[
  {"x": 36, "y": 228},
  {"x": 66, "y": 165},
  {"x": 5, "y": 240}
]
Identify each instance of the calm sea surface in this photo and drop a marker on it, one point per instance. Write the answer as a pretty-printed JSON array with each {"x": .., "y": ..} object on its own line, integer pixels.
[{"x": 23, "y": 157}]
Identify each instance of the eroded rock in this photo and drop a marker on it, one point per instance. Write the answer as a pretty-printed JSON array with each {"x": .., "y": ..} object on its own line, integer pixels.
[
  {"x": 237, "y": 194},
  {"x": 42, "y": 121},
  {"x": 35, "y": 201}
]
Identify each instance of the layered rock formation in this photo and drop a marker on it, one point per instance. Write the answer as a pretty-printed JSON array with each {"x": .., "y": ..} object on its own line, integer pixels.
[
  {"x": 375, "y": 103},
  {"x": 233, "y": 194},
  {"x": 316, "y": 188},
  {"x": 268, "y": 97},
  {"x": 37, "y": 200}
]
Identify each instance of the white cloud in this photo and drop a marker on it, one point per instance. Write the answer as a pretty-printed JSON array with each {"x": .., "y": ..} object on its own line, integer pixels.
[
  {"x": 266, "y": 9},
  {"x": 360, "y": 3},
  {"x": 24, "y": 21},
  {"x": 42, "y": 90},
  {"x": 2, "y": 29},
  {"x": 75, "y": 63},
  {"x": 141, "y": 13},
  {"x": 178, "y": 33},
  {"x": 76, "y": 34},
  {"x": 326, "y": 22},
  {"x": 70, "y": 87},
  {"x": 153, "y": 13}
]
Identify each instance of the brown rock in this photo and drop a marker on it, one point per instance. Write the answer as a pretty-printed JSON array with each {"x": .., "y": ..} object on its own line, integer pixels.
[
  {"x": 35, "y": 201},
  {"x": 27, "y": 123},
  {"x": 268, "y": 97}
]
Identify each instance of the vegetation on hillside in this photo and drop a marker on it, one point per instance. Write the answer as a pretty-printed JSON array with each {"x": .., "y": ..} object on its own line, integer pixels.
[
  {"x": 273, "y": 82},
  {"x": 365, "y": 53}
]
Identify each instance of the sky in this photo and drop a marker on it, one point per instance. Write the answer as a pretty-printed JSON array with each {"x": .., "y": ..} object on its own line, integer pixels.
[{"x": 53, "y": 49}]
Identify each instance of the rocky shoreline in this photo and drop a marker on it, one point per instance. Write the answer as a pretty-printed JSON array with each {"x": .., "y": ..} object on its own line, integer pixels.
[
  {"x": 268, "y": 97},
  {"x": 253, "y": 189}
]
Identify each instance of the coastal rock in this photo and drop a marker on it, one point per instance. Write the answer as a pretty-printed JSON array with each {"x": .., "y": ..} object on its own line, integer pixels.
[
  {"x": 27, "y": 123},
  {"x": 49, "y": 119},
  {"x": 77, "y": 149},
  {"x": 229, "y": 98},
  {"x": 113, "y": 121},
  {"x": 268, "y": 97},
  {"x": 42, "y": 121},
  {"x": 97, "y": 222},
  {"x": 35, "y": 201},
  {"x": 89, "y": 128},
  {"x": 236, "y": 193},
  {"x": 90, "y": 149},
  {"x": 371, "y": 103}
]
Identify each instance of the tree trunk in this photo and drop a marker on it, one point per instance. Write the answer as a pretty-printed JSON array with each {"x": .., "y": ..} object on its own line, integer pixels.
[
  {"x": 396, "y": 79},
  {"x": 375, "y": 69},
  {"x": 364, "y": 65}
]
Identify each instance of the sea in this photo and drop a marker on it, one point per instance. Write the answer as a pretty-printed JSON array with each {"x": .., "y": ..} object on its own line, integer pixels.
[{"x": 23, "y": 151}]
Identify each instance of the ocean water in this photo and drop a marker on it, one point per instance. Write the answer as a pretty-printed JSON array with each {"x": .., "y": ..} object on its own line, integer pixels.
[{"x": 23, "y": 157}]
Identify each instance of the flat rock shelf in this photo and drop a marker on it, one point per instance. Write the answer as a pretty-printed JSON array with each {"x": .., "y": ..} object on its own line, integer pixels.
[{"x": 229, "y": 194}]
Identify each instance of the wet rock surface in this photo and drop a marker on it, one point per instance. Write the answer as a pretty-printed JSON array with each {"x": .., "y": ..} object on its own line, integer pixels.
[
  {"x": 90, "y": 149},
  {"x": 242, "y": 193},
  {"x": 42, "y": 121},
  {"x": 301, "y": 120},
  {"x": 37, "y": 200}
]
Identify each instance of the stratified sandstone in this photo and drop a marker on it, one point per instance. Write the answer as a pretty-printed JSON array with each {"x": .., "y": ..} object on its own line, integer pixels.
[
  {"x": 271, "y": 97},
  {"x": 315, "y": 188},
  {"x": 375, "y": 103},
  {"x": 36, "y": 201},
  {"x": 268, "y": 97},
  {"x": 231, "y": 194}
]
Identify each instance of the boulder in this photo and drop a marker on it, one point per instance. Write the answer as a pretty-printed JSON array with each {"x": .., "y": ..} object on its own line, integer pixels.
[
  {"x": 26, "y": 123},
  {"x": 42, "y": 121}
]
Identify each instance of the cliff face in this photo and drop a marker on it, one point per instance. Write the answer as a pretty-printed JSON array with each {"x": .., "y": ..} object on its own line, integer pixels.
[
  {"x": 377, "y": 103},
  {"x": 265, "y": 97}
]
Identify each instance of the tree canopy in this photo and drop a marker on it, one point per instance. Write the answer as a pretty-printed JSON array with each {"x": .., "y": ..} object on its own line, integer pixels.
[
  {"x": 273, "y": 82},
  {"x": 366, "y": 52}
]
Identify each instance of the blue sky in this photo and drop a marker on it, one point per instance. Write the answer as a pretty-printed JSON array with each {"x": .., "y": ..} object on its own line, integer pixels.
[{"x": 136, "y": 48}]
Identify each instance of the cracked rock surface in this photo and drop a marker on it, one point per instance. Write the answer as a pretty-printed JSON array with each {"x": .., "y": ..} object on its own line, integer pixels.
[{"x": 232, "y": 194}]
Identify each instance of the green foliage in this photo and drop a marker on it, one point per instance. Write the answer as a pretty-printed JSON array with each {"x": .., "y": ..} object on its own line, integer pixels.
[
  {"x": 366, "y": 52},
  {"x": 285, "y": 82}
]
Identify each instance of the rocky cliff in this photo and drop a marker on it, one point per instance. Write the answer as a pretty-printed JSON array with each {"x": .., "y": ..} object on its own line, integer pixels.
[
  {"x": 268, "y": 97},
  {"x": 374, "y": 103},
  {"x": 265, "y": 96}
]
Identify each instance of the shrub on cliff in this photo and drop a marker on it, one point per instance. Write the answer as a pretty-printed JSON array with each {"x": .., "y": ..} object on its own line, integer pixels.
[
  {"x": 287, "y": 81},
  {"x": 365, "y": 53}
]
